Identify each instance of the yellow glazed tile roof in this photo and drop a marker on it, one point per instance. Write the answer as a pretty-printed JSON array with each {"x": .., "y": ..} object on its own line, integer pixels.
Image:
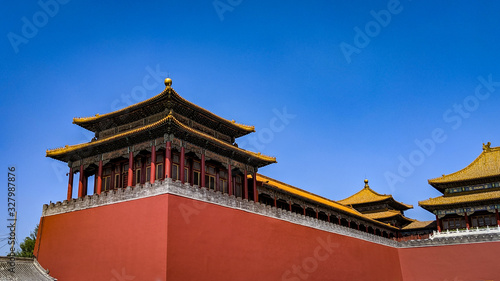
[
  {"x": 383, "y": 214},
  {"x": 314, "y": 197},
  {"x": 368, "y": 195},
  {"x": 450, "y": 200},
  {"x": 420, "y": 224},
  {"x": 164, "y": 93},
  {"x": 169, "y": 117},
  {"x": 487, "y": 164}
]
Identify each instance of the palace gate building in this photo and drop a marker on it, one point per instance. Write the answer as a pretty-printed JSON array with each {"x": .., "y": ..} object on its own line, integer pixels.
[
  {"x": 471, "y": 196},
  {"x": 165, "y": 193}
]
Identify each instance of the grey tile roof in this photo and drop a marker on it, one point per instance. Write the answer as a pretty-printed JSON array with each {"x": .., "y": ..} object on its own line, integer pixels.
[{"x": 25, "y": 269}]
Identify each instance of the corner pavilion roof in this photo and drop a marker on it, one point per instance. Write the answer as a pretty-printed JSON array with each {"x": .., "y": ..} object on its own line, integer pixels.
[
  {"x": 367, "y": 195},
  {"x": 316, "y": 198},
  {"x": 459, "y": 199},
  {"x": 167, "y": 99},
  {"x": 486, "y": 165},
  {"x": 168, "y": 123}
]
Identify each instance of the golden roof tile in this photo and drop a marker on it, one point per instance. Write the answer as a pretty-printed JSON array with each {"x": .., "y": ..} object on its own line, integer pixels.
[
  {"x": 169, "y": 117},
  {"x": 457, "y": 199},
  {"x": 384, "y": 214},
  {"x": 485, "y": 165},
  {"x": 420, "y": 224},
  {"x": 313, "y": 197},
  {"x": 168, "y": 90},
  {"x": 368, "y": 195}
]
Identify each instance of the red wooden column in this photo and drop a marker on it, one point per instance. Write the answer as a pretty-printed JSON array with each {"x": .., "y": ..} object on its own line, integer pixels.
[
  {"x": 290, "y": 205},
  {"x": 130, "y": 177},
  {"x": 317, "y": 216},
  {"x": 229, "y": 180},
  {"x": 70, "y": 184},
  {"x": 498, "y": 217},
  {"x": 349, "y": 224},
  {"x": 182, "y": 160},
  {"x": 328, "y": 217},
  {"x": 275, "y": 203},
  {"x": 304, "y": 211},
  {"x": 99, "y": 178},
  {"x": 202, "y": 180},
  {"x": 245, "y": 184},
  {"x": 467, "y": 225},
  {"x": 358, "y": 225},
  {"x": 80, "y": 183},
  {"x": 152, "y": 178},
  {"x": 85, "y": 184},
  {"x": 438, "y": 223},
  {"x": 168, "y": 160},
  {"x": 339, "y": 220},
  {"x": 255, "y": 195}
]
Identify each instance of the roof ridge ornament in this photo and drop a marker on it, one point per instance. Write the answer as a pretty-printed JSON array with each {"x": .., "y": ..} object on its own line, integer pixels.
[
  {"x": 168, "y": 82},
  {"x": 486, "y": 147},
  {"x": 366, "y": 183}
]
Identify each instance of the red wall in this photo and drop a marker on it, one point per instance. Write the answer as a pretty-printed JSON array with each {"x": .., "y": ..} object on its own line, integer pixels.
[
  {"x": 128, "y": 241},
  {"x": 112, "y": 243},
  {"x": 467, "y": 262},
  {"x": 210, "y": 242}
]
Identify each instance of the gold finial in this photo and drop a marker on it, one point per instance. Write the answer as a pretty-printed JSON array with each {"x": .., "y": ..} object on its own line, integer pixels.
[
  {"x": 168, "y": 82},
  {"x": 486, "y": 147},
  {"x": 366, "y": 183}
]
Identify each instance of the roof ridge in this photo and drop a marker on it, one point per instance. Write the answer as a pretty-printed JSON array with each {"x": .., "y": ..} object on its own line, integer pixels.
[
  {"x": 168, "y": 89},
  {"x": 364, "y": 189}
]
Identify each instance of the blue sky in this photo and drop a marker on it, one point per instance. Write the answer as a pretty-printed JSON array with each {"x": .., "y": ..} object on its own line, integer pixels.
[{"x": 361, "y": 84}]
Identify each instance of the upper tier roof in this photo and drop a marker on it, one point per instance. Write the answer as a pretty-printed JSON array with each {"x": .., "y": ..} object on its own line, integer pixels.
[
  {"x": 486, "y": 165},
  {"x": 168, "y": 124},
  {"x": 167, "y": 100},
  {"x": 315, "y": 198},
  {"x": 367, "y": 195}
]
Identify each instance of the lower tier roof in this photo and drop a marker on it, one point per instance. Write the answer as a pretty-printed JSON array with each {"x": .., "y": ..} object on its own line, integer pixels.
[
  {"x": 420, "y": 225},
  {"x": 319, "y": 199},
  {"x": 460, "y": 199},
  {"x": 167, "y": 125},
  {"x": 387, "y": 214}
]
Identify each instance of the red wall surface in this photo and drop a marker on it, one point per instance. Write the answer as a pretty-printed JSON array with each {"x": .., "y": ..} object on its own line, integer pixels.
[
  {"x": 114, "y": 243},
  {"x": 173, "y": 238},
  {"x": 210, "y": 242},
  {"x": 466, "y": 262}
]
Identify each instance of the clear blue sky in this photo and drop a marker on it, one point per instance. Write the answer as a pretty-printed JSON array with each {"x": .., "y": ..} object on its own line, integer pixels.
[{"x": 362, "y": 87}]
